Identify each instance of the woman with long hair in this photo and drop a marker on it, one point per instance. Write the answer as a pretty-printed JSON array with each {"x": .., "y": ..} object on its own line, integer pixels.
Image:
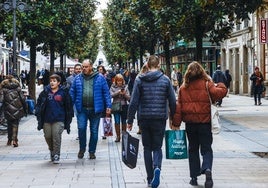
[{"x": 193, "y": 108}]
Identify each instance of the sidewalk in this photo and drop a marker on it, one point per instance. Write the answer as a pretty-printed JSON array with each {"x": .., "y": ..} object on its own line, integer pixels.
[{"x": 244, "y": 131}]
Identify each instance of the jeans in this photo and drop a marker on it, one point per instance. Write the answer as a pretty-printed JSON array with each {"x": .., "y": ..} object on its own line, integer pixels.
[
  {"x": 117, "y": 117},
  {"x": 152, "y": 139},
  {"x": 199, "y": 136},
  {"x": 94, "y": 120}
]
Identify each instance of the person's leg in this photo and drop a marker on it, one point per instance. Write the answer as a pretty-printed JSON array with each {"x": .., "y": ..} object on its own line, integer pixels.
[
  {"x": 255, "y": 95},
  {"x": 9, "y": 133},
  {"x": 57, "y": 129},
  {"x": 147, "y": 149},
  {"x": 205, "y": 140},
  {"x": 14, "y": 132},
  {"x": 193, "y": 150},
  {"x": 123, "y": 116},
  {"x": 259, "y": 94},
  {"x": 157, "y": 132},
  {"x": 117, "y": 126},
  {"x": 82, "y": 119},
  {"x": 47, "y": 129},
  {"x": 94, "y": 128}
]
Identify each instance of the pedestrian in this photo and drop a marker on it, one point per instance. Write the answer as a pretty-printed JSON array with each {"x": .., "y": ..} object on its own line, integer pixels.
[
  {"x": 193, "y": 108},
  {"x": 119, "y": 93},
  {"x": 101, "y": 69},
  {"x": 174, "y": 79},
  {"x": 13, "y": 105},
  {"x": 143, "y": 70},
  {"x": 180, "y": 78},
  {"x": 228, "y": 80},
  {"x": 217, "y": 77},
  {"x": 153, "y": 97},
  {"x": 132, "y": 78},
  {"x": 54, "y": 112},
  {"x": 23, "y": 79},
  {"x": 257, "y": 85},
  {"x": 91, "y": 96},
  {"x": 69, "y": 80}
]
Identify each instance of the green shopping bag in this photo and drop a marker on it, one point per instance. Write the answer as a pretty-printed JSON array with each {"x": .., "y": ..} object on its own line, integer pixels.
[{"x": 176, "y": 145}]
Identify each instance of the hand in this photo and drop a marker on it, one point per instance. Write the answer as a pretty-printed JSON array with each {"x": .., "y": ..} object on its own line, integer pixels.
[
  {"x": 108, "y": 111},
  {"x": 129, "y": 127},
  {"x": 173, "y": 127}
]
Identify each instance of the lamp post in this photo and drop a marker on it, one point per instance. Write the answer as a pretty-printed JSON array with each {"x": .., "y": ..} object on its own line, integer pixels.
[{"x": 8, "y": 6}]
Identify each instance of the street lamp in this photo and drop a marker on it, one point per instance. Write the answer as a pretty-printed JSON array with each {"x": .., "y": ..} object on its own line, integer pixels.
[{"x": 8, "y": 6}]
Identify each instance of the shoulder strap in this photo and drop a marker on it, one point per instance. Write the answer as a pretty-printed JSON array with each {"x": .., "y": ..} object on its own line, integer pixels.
[{"x": 208, "y": 92}]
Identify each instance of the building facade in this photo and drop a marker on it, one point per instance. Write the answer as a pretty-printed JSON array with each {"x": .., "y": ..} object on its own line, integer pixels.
[{"x": 243, "y": 51}]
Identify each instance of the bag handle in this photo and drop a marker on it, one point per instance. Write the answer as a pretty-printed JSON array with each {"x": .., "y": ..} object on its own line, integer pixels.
[{"x": 208, "y": 92}]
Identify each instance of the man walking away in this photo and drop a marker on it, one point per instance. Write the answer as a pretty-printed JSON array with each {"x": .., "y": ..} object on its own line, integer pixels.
[{"x": 218, "y": 76}]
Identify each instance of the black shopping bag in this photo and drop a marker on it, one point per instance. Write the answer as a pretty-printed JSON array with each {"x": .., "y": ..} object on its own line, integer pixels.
[
  {"x": 130, "y": 148},
  {"x": 176, "y": 145}
]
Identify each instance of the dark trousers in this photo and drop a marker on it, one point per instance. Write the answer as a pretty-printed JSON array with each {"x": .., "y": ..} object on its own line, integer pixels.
[
  {"x": 199, "y": 137},
  {"x": 152, "y": 132},
  {"x": 257, "y": 93}
]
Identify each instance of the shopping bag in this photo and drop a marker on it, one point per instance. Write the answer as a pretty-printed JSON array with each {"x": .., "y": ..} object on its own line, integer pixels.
[
  {"x": 176, "y": 145},
  {"x": 130, "y": 148},
  {"x": 215, "y": 120},
  {"x": 106, "y": 126}
]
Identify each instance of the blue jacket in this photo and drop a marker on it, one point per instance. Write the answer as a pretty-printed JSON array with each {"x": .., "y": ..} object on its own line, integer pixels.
[
  {"x": 153, "y": 97},
  {"x": 101, "y": 94}
]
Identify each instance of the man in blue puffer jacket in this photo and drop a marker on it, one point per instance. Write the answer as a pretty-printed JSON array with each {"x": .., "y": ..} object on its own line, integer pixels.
[
  {"x": 91, "y": 96},
  {"x": 153, "y": 98}
]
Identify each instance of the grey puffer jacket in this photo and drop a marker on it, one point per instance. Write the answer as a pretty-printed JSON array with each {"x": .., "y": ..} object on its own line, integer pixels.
[
  {"x": 12, "y": 100},
  {"x": 152, "y": 95}
]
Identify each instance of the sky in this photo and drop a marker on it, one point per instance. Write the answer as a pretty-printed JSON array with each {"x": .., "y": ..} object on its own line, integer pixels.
[{"x": 103, "y": 5}]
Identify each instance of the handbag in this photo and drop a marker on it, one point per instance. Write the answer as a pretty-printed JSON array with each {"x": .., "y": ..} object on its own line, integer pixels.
[
  {"x": 215, "y": 117},
  {"x": 176, "y": 145},
  {"x": 107, "y": 126},
  {"x": 116, "y": 107},
  {"x": 130, "y": 148}
]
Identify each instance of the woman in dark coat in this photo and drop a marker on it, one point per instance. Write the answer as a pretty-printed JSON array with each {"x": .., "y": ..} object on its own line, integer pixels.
[
  {"x": 257, "y": 85},
  {"x": 12, "y": 102}
]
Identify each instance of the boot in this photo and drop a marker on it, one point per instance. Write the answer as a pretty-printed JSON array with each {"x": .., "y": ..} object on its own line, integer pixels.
[
  {"x": 124, "y": 127},
  {"x": 15, "y": 136},
  {"x": 117, "y": 131}
]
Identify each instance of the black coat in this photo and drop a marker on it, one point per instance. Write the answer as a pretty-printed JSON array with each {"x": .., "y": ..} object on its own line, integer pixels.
[{"x": 41, "y": 106}]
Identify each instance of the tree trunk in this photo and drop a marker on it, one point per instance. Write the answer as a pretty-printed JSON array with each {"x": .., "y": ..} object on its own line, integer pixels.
[
  {"x": 199, "y": 38},
  {"x": 32, "y": 72},
  {"x": 52, "y": 57},
  {"x": 167, "y": 56}
]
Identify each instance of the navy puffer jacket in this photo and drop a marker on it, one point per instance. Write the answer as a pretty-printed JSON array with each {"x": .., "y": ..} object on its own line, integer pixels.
[{"x": 151, "y": 97}]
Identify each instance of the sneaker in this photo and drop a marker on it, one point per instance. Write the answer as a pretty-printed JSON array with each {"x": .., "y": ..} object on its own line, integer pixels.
[
  {"x": 149, "y": 183},
  {"x": 104, "y": 138},
  {"x": 92, "y": 156},
  {"x": 193, "y": 182},
  {"x": 209, "y": 181},
  {"x": 259, "y": 103},
  {"x": 156, "y": 180},
  {"x": 81, "y": 154},
  {"x": 51, "y": 157},
  {"x": 56, "y": 159}
]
